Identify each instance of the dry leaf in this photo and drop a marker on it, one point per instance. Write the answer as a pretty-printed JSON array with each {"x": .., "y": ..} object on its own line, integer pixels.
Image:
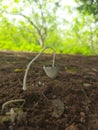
[{"x": 18, "y": 70}]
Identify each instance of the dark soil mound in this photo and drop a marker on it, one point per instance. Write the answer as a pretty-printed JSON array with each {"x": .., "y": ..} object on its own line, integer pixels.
[{"x": 68, "y": 102}]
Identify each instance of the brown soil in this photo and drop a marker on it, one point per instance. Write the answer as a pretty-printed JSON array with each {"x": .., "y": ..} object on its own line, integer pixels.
[{"x": 68, "y": 102}]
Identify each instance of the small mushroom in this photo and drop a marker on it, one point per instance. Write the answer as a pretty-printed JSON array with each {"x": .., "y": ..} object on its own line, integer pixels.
[{"x": 51, "y": 71}]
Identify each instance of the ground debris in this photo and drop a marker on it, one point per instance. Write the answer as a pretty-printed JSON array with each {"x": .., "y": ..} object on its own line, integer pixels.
[{"x": 68, "y": 102}]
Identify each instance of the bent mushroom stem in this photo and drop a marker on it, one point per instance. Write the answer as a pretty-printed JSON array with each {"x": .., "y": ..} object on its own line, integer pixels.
[
  {"x": 28, "y": 66},
  {"x": 12, "y": 101}
]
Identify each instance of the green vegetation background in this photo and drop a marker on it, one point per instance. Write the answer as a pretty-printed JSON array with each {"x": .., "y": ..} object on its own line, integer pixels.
[{"x": 78, "y": 36}]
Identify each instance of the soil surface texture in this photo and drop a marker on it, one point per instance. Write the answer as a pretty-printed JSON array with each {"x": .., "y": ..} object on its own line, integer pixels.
[{"x": 67, "y": 102}]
